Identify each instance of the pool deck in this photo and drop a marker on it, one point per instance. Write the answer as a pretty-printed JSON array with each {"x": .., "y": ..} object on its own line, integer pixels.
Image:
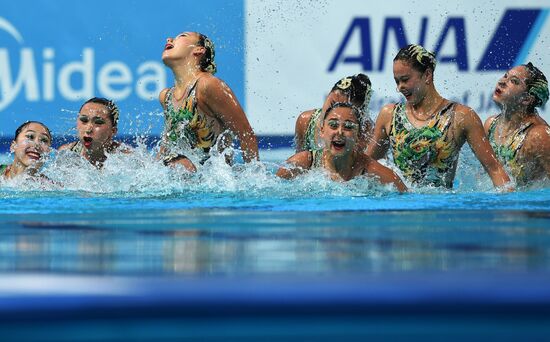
[{"x": 400, "y": 306}]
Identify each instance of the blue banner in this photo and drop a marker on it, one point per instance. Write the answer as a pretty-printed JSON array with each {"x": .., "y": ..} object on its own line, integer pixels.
[{"x": 56, "y": 54}]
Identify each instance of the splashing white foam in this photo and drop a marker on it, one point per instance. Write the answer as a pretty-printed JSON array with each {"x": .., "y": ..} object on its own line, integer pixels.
[{"x": 140, "y": 174}]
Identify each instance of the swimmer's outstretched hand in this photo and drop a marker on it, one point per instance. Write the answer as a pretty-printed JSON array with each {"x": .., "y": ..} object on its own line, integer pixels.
[{"x": 506, "y": 187}]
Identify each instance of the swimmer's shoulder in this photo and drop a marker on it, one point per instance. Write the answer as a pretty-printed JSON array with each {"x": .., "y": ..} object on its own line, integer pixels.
[
  {"x": 489, "y": 122},
  {"x": 538, "y": 139},
  {"x": 67, "y": 146},
  {"x": 305, "y": 116},
  {"x": 209, "y": 85},
  {"x": 466, "y": 119},
  {"x": 162, "y": 96},
  {"x": 302, "y": 159},
  {"x": 384, "y": 118},
  {"x": 302, "y": 121}
]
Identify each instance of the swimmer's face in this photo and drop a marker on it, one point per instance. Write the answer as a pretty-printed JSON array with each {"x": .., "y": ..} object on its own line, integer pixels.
[
  {"x": 181, "y": 46},
  {"x": 95, "y": 128},
  {"x": 340, "y": 130},
  {"x": 30, "y": 146},
  {"x": 411, "y": 82},
  {"x": 511, "y": 89}
]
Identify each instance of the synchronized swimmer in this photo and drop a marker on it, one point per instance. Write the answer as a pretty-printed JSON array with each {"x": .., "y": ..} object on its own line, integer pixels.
[{"x": 425, "y": 133}]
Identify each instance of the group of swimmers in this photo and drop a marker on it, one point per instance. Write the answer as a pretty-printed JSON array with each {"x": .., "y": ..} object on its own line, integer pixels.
[{"x": 424, "y": 133}]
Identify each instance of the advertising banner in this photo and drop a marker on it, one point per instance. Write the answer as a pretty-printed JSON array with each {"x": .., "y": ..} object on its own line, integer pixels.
[
  {"x": 279, "y": 57},
  {"x": 296, "y": 50},
  {"x": 54, "y": 55}
]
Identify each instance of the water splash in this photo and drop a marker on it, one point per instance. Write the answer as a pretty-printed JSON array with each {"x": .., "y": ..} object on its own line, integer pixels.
[
  {"x": 140, "y": 173},
  {"x": 141, "y": 183}
]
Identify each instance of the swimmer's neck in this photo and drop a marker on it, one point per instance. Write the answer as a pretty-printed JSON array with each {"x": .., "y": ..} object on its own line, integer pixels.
[
  {"x": 96, "y": 157},
  {"x": 17, "y": 168},
  {"x": 431, "y": 101},
  {"x": 514, "y": 117},
  {"x": 341, "y": 165},
  {"x": 185, "y": 74}
]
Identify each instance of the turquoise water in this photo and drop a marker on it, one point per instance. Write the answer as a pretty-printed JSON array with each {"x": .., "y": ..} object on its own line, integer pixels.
[{"x": 152, "y": 220}]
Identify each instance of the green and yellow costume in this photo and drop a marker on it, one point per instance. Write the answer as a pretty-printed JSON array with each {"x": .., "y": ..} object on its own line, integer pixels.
[
  {"x": 186, "y": 127},
  {"x": 425, "y": 155},
  {"x": 507, "y": 153}
]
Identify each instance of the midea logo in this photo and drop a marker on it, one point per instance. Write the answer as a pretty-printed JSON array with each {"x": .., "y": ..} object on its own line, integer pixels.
[{"x": 45, "y": 80}]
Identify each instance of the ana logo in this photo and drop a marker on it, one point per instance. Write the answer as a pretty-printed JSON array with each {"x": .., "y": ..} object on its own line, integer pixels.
[
  {"x": 46, "y": 80},
  {"x": 510, "y": 45}
]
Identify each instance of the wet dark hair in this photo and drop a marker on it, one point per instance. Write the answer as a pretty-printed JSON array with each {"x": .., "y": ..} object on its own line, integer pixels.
[
  {"x": 537, "y": 85},
  {"x": 358, "y": 88},
  {"x": 335, "y": 105},
  {"x": 25, "y": 124},
  {"x": 419, "y": 58},
  {"x": 113, "y": 109},
  {"x": 207, "y": 60}
]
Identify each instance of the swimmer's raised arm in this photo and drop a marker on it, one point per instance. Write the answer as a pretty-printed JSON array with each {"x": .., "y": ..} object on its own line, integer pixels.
[{"x": 379, "y": 144}]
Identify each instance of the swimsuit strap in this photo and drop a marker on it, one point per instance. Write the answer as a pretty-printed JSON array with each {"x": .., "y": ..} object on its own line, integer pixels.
[
  {"x": 169, "y": 104},
  {"x": 317, "y": 158},
  {"x": 443, "y": 121},
  {"x": 76, "y": 147},
  {"x": 493, "y": 127},
  {"x": 424, "y": 154},
  {"x": 400, "y": 119},
  {"x": 397, "y": 118},
  {"x": 186, "y": 123},
  {"x": 309, "y": 141},
  {"x": 515, "y": 140},
  {"x": 507, "y": 152}
]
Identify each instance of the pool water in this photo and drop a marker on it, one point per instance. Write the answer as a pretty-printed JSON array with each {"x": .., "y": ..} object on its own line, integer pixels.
[{"x": 287, "y": 259}]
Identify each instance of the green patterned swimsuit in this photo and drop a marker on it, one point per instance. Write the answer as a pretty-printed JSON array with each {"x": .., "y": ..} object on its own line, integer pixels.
[
  {"x": 186, "y": 127},
  {"x": 3, "y": 169},
  {"x": 77, "y": 147},
  {"x": 310, "y": 143},
  {"x": 425, "y": 155},
  {"x": 507, "y": 153}
]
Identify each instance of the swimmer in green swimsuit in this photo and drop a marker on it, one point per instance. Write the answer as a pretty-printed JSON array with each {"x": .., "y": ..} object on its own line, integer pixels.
[
  {"x": 201, "y": 112},
  {"x": 519, "y": 136},
  {"x": 427, "y": 132},
  {"x": 96, "y": 125},
  {"x": 32, "y": 141},
  {"x": 356, "y": 89},
  {"x": 340, "y": 156}
]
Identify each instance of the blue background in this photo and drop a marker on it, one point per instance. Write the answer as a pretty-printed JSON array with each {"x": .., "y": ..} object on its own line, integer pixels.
[{"x": 128, "y": 31}]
